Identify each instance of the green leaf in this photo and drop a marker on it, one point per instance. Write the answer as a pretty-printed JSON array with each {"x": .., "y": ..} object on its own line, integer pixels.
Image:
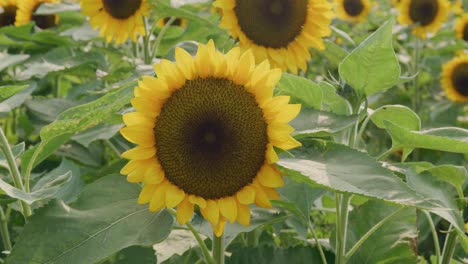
[
  {"x": 271, "y": 255},
  {"x": 302, "y": 91},
  {"x": 397, "y": 114},
  {"x": 77, "y": 119},
  {"x": 102, "y": 131},
  {"x": 106, "y": 218},
  {"x": 390, "y": 243},
  {"x": 319, "y": 123},
  {"x": 17, "y": 150},
  {"x": 10, "y": 90},
  {"x": 7, "y": 60},
  {"x": 332, "y": 101},
  {"x": 451, "y": 139},
  {"x": 343, "y": 169},
  {"x": 133, "y": 254},
  {"x": 16, "y": 100},
  {"x": 334, "y": 53},
  {"x": 373, "y": 66}
]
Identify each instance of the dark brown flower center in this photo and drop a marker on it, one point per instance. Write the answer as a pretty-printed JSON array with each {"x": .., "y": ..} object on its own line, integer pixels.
[
  {"x": 460, "y": 78},
  {"x": 121, "y": 9},
  {"x": 353, "y": 7},
  {"x": 423, "y": 12},
  {"x": 7, "y": 18},
  {"x": 211, "y": 138},
  {"x": 177, "y": 22},
  {"x": 465, "y": 32},
  {"x": 43, "y": 21},
  {"x": 271, "y": 23}
]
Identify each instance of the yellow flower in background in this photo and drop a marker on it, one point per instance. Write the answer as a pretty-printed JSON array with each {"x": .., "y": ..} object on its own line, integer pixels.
[
  {"x": 455, "y": 79},
  {"x": 179, "y": 22},
  {"x": 205, "y": 130},
  {"x": 396, "y": 2},
  {"x": 457, "y": 7},
  {"x": 25, "y": 14},
  {"x": 117, "y": 20},
  {"x": 8, "y": 16},
  {"x": 426, "y": 16},
  {"x": 461, "y": 27},
  {"x": 353, "y": 10},
  {"x": 281, "y": 31}
]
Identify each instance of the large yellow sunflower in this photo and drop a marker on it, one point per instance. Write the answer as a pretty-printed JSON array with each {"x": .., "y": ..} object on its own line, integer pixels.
[
  {"x": 353, "y": 10},
  {"x": 281, "y": 31},
  {"x": 461, "y": 27},
  {"x": 25, "y": 14},
  {"x": 206, "y": 129},
  {"x": 426, "y": 16},
  {"x": 455, "y": 79},
  {"x": 117, "y": 19},
  {"x": 8, "y": 16}
]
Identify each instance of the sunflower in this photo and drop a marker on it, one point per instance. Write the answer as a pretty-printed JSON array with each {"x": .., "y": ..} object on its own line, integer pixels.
[
  {"x": 117, "y": 19},
  {"x": 206, "y": 129},
  {"x": 461, "y": 27},
  {"x": 281, "y": 31},
  {"x": 426, "y": 16},
  {"x": 8, "y": 16},
  {"x": 353, "y": 10},
  {"x": 457, "y": 7},
  {"x": 179, "y": 22},
  {"x": 25, "y": 14},
  {"x": 455, "y": 79}
]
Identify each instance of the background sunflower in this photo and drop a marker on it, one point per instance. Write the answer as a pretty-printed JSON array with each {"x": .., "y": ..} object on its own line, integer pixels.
[
  {"x": 179, "y": 22},
  {"x": 278, "y": 30},
  {"x": 426, "y": 16},
  {"x": 353, "y": 10},
  {"x": 455, "y": 79},
  {"x": 25, "y": 14},
  {"x": 8, "y": 16},
  {"x": 117, "y": 21},
  {"x": 206, "y": 129},
  {"x": 461, "y": 27}
]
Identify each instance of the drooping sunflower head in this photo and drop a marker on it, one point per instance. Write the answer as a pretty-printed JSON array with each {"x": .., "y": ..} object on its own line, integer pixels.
[
  {"x": 426, "y": 16},
  {"x": 25, "y": 14},
  {"x": 118, "y": 20},
  {"x": 461, "y": 27},
  {"x": 7, "y": 18},
  {"x": 281, "y": 31},
  {"x": 353, "y": 10},
  {"x": 178, "y": 22},
  {"x": 455, "y": 79},
  {"x": 206, "y": 129}
]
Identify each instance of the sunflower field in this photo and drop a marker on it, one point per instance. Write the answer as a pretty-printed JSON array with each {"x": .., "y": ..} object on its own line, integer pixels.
[{"x": 234, "y": 131}]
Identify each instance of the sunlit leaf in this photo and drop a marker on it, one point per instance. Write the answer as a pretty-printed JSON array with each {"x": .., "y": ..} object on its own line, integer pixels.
[
  {"x": 397, "y": 114},
  {"x": 301, "y": 90}
]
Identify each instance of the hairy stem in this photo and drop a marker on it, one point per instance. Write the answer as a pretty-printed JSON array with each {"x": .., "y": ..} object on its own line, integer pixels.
[
  {"x": 218, "y": 249},
  {"x": 4, "y": 230}
]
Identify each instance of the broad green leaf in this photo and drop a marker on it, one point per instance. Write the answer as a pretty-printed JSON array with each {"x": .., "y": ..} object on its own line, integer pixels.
[
  {"x": 70, "y": 190},
  {"x": 47, "y": 109},
  {"x": 270, "y": 255},
  {"x": 343, "y": 169},
  {"x": 79, "y": 118},
  {"x": 16, "y": 100},
  {"x": 451, "y": 139},
  {"x": 189, "y": 256},
  {"x": 397, "y": 114},
  {"x": 105, "y": 219},
  {"x": 54, "y": 8},
  {"x": 164, "y": 9},
  {"x": 334, "y": 53},
  {"x": 7, "y": 60},
  {"x": 17, "y": 150},
  {"x": 332, "y": 101},
  {"x": 98, "y": 132},
  {"x": 390, "y": 243},
  {"x": 133, "y": 254},
  {"x": 373, "y": 66},
  {"x": 301, "y": 90},
  {"x": 10, "y": 90},
  {"x": 310, "y": 121},
  {"x": 49, "y": 190},
  {"x": 426, "y": 184}
]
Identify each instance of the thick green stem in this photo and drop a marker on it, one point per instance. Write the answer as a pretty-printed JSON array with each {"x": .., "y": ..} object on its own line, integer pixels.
[
  {"x": 4, "y": 230},
  {"x": 449, "y": 246},
  {"x": 146, "y": 43},
  {"x": 369, "y": 233},
  {"x": 319, "y": 246},
  {"x": 342, "y": 204},
  {"x": 218, "y": 249},
  {"x": 434, "y": 236},
  {"x": 201, "y": 243},
  {"x": 158, "y": 40},
  {"x": 25, "y": 208},
  {"x": 416, "y": 95}
]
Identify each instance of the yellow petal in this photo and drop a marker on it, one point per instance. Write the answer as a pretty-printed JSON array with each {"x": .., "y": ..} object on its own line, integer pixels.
[
  {"x": 185, "y": 63},
  {"x": 185, "y": 211},
  {"x": 269, "y": 177},
  {"x": 174, "y": 196},
  {"x": 136, "y": 118},
  {"x": 157, "y": 202},
  {"x": 139, "y": 153},
  {"x": 261, "y": 199},
  {"x": 157, "y": 87},
  {"x": 154, "y": 174},
  {"x": 198, "y": 201},
  {"x": 146, "y": 107},
  {"x": 138, "y": 175},
  {"x": 272, "y": 193},
  {"x": 218, "y": 230},
  {"x": 211, "y": 212},
  {"x": 243, "y": 214},
  {"x": 146, "y": 193},
  {"x": 140, "y": 135},
  {"x": 228, "y": 208},
  {"x": 246, "y": 195},
  {"x": 134, "y": 164},
  {"x": 271, "y": 155}
]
